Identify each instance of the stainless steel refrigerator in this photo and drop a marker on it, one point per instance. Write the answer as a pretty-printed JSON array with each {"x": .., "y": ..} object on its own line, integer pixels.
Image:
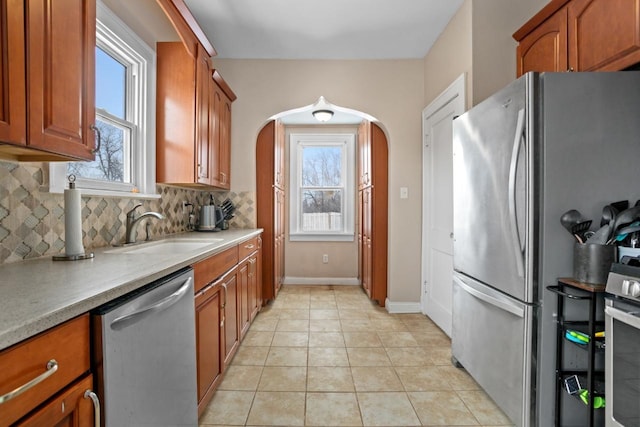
[{"x": 543, "y": 145}]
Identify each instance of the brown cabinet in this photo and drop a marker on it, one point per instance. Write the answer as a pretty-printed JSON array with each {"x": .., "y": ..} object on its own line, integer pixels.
[
  {"x": 48, "y": 74},
  {"x": 249, "y": 283},
  {"x": 13, "y": 92},
  {"x": 581, "y": 35},
  {"x": 372, "y": 210},
  {"x": 60, "y": 357},
  {"x": 226, "y": 301},
  {"x": 209, "y": 333},
  {"x": 271, "y": 205},
  {"x": 231, "y": 312},
  {"x": 71, "y": 408},
  {"x": 193, "y": 119},
  {"x": 545, "y": 48}
]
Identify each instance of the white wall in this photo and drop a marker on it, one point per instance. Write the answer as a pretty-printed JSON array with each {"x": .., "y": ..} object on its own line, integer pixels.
[{"x": 390, "y": 90}]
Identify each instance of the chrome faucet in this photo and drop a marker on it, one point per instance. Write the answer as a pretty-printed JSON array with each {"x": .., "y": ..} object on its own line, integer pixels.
[{"x": 132, "y": 222}]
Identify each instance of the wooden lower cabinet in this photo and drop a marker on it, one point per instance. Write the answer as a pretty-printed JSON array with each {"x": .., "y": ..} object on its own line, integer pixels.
[
  {"x": 231, "y": 307},
  {"x": 209, "y": 333},
  {"x": 71, "y": 408},
  {"x": 227, "y": 299},
  {"x": 60, "y": 356}
]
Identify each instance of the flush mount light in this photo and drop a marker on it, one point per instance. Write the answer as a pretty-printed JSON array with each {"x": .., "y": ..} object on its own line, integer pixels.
[{"x": 323, "y": 115}]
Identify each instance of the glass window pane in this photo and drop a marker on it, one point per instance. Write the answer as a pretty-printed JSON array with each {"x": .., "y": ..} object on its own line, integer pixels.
[
  {"x": 110, "y": 84},
  {"x": 109, "y": 164},
  {"x": 322, "y": 210},
  {"x": 321, "y": 166}
]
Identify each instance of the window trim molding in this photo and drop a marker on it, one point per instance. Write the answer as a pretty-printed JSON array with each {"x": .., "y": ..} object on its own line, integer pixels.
[
  {"x": 349, "y": 163},
  {"x": 115, "y": 32}
]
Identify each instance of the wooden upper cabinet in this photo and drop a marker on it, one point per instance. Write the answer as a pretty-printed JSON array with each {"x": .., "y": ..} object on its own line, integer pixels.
[
  {"x": 220, "y": 121},
  {"x": 364, "y": 154},
  {"x": 203, "y": 141},
  {"x": 13, "y": 107},
  {"x": 580, "y": 35},
  {"x": 545, "y": 48},
  {"x": 193, "y": 129},
  {"x": 48, "y": 79},
  {"x": 604, "y": 34},
  {"x": 279, "y": 156}
]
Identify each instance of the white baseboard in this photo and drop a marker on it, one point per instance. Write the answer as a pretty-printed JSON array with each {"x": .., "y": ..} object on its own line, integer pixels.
[
  {"x": 402, "y": 307},
  {"x": 348, "y": 281}
]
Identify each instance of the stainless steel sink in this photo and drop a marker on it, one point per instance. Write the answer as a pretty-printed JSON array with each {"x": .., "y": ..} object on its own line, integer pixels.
[{"x": 167, "y": 246}]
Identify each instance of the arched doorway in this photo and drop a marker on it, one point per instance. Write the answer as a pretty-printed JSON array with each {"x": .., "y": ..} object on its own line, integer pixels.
[{"x": 371, "y": 187}]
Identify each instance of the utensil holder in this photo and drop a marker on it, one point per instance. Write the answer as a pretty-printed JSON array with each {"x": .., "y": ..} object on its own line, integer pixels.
[{"x": 592, "y": 262}]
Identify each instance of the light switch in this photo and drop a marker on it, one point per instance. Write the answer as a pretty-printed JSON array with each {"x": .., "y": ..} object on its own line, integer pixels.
[{"x": 404, "y": 193}]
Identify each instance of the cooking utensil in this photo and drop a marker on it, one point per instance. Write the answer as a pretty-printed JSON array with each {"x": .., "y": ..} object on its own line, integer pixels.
[
  {"x": 580, "y": 228},
  {"x": 571, "y": 218},
  {"x": 601, "y": 236},
  {"x": 608, "y": 214},
  {"x": 625, "y": 231},
  {"x": 621, "y": 205},
  {"x": 623, "y": 219}
]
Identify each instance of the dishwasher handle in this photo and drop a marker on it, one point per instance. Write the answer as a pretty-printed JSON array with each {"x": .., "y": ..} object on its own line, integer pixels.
[{"x": 123, "y": 321}]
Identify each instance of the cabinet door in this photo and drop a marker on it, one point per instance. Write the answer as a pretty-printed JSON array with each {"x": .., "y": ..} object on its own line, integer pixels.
[
  {"x": 13, "y": 109},
  {"x": 202, "y": 124},
  {"x": 254, "y": 285},
  {"x": 61, "y": 40},
  {"x": 71, "y": 408},
  {"x": 224, "y": 147},
  {"x": 604, "y": 34},
  {"x": 364, "y": 154},
  {"x": 545, "y": 48},
  {"x": 279, "y": 155},
  {"x": 231, "y": 330},
  {"x": 243, "y": 297},
  {"x": 208, "y": 343}
]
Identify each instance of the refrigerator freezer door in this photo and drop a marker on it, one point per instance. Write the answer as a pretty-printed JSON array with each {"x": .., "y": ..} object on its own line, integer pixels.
[
  {"x": 491, "y": 338},
  {"x": 490, "y": 166}
]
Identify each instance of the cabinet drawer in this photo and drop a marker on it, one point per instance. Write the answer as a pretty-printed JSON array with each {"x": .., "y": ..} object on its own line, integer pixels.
[
  {"x": 66, "y": 344},
  {"x": 247, "y": 248},
  {"x": 206, "y": 271}
]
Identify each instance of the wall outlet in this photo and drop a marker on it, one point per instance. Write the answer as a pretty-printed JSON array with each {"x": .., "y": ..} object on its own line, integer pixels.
[
  {"x": 404, "y": 193},
  {"x": 325, "y": 259}
]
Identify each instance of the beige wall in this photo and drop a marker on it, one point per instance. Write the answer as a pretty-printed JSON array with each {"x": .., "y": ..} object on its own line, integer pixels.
[
  {"x": 494, "y": 49},
  {"x": 304, "y": 259},
  {"x": 390, "y": 90},
  {"x": 450, "y": 56}
]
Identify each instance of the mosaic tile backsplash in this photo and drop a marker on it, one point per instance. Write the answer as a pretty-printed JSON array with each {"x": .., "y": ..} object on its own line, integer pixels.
[{"x": 32, "y": 220}]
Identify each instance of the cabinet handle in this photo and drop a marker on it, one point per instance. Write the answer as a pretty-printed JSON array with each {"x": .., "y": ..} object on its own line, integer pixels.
[
  {"x": 570, "y": 70},
  {"x": 52, "y": 367},
  {"x": 249, "y": 246},
  {"x": 96, "y": 406},
  {"x": 95, "y": 130}
]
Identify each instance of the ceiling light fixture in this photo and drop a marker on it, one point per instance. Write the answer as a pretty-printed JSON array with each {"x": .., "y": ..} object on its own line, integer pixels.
[{"x": 323, "y": 115}]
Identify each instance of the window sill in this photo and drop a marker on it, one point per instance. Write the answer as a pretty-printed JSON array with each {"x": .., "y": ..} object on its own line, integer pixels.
[
  {"x": 317, "y": 237},
  {"x": 89, "y": 192}
]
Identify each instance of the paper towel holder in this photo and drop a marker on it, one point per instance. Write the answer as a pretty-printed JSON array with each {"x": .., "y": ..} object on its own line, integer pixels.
[{"x": 74, "y": 257}]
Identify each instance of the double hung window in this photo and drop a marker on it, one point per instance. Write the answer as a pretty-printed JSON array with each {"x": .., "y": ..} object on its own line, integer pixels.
[{"x": 322, "y": 187}]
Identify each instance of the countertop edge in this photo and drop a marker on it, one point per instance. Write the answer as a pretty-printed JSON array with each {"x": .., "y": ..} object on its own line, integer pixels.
[{"x": 43, "y": 320}]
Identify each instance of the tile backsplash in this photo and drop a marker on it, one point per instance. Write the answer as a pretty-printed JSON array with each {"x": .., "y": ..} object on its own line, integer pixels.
[{"x": 32, "y": 219}]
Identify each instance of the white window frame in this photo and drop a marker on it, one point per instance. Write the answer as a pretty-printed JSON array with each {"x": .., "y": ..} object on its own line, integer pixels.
[
  {"x": 297, "y": 141},
  {"x": 117, "y": 39}
]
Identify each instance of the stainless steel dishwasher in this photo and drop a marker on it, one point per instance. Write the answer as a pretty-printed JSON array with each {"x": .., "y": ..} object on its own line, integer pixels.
[{"x": 144, "y": 355}]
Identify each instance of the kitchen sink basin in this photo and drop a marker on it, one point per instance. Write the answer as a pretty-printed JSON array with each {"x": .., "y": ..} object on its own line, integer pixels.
[{"x": 168, "y": 246}]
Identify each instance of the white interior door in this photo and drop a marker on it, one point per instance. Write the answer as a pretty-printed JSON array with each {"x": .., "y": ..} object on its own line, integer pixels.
[{"x": 437, "y": 203}]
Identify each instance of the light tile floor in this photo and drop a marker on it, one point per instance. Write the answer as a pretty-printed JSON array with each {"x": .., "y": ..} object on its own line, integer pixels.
[{"x": 327, "y": 356}]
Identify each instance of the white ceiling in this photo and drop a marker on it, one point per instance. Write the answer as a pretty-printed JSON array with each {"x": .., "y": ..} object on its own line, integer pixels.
[{"x": 323, "y": 29}]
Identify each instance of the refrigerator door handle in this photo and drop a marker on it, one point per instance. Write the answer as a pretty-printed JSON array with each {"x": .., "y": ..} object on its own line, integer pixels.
[
  {"x": 503, "y": 305},
  {"x": 513, "y": 169}
]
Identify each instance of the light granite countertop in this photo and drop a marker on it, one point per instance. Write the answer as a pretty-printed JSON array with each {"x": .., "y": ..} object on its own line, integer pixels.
[{"x": 38, "y": 294}]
